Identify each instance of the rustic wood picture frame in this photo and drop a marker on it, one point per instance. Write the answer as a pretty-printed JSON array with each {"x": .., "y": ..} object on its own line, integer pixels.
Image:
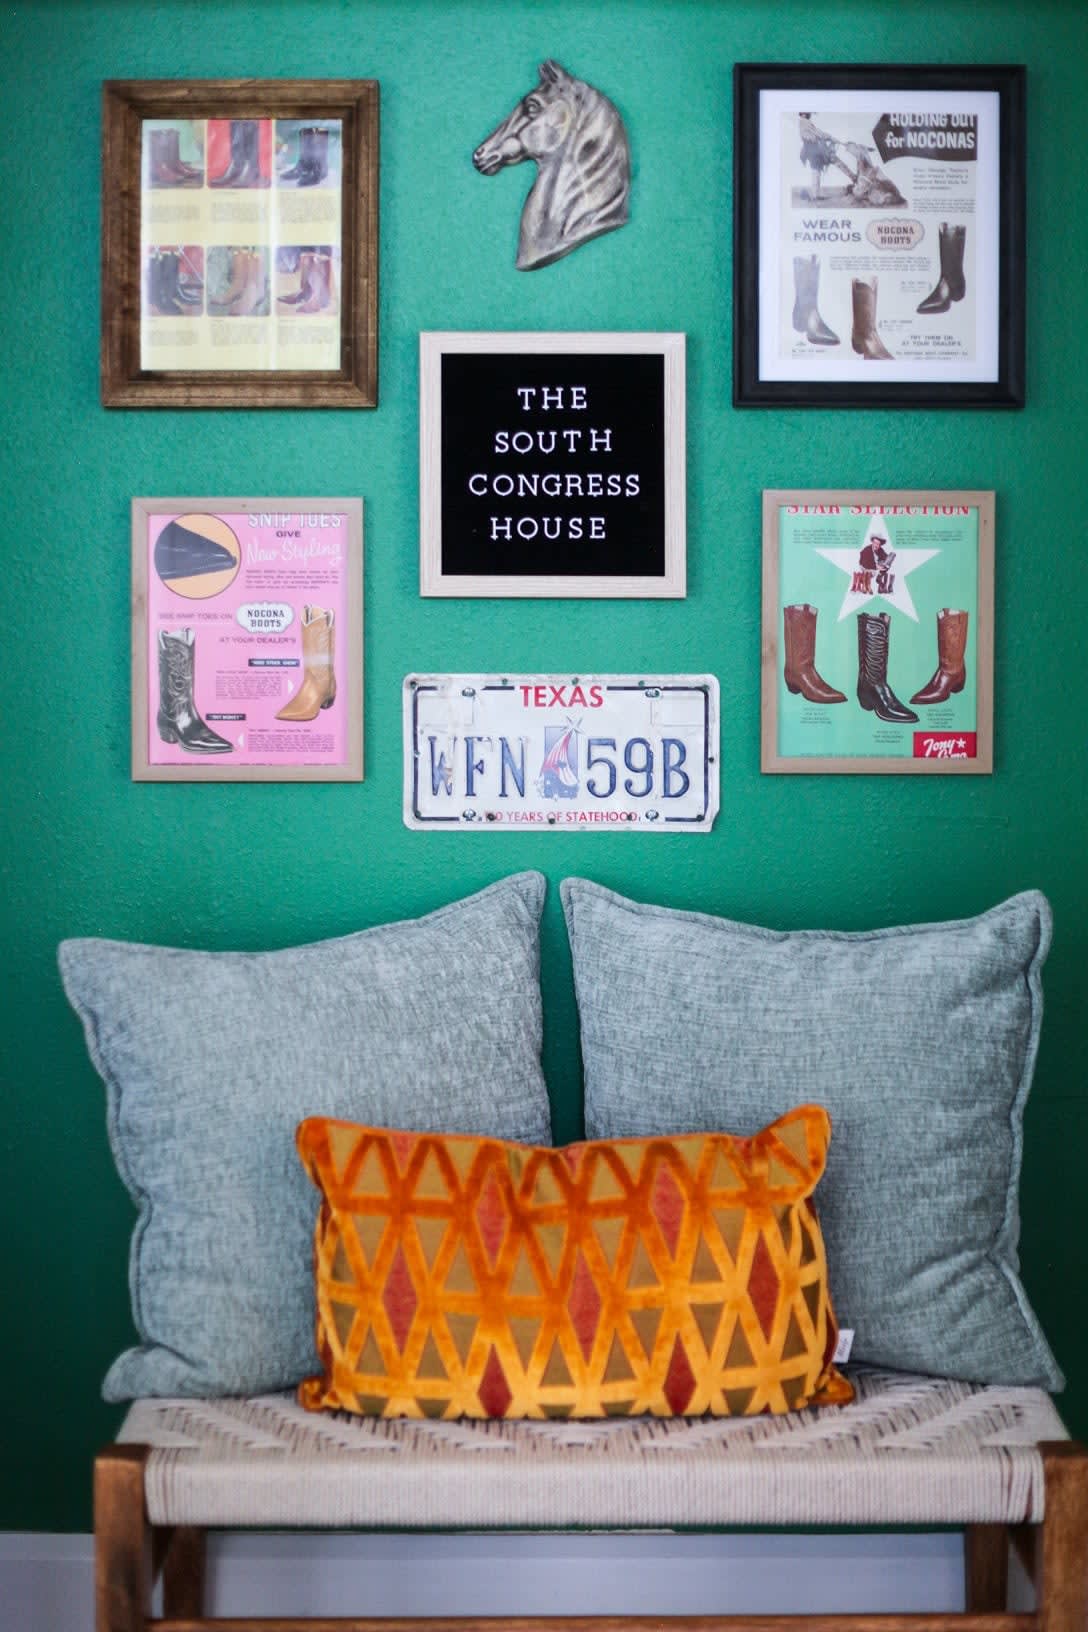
[
  {"x": 126, "y": 104},
  {"x": 668, "y": 434},
  {"x": 775, "y": 654},
  {"x": 348, "y": 664}
]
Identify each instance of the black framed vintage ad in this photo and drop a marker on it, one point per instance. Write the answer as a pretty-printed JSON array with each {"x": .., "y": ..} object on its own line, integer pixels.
[
  {"x": 878, "y": 236},
  {"x": 239, "y": 243},
  {"x": 878, "y": 612},
  {"x": 247, "y": 640},
  {"x": 552, "y": 465}
]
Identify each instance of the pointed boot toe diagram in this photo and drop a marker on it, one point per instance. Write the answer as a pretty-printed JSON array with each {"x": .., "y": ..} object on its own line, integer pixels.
[
  {"x": 865, "y": 338},
  {"x": 950, "y": 675},
  {"x": 182, "y": 553},
  {"x": 318, "y": 688},
  {"x": 177, "y": 719},
  {"x": 874, "y": 692},
  {"x": 801, "y": 675},
  {"x": 806, "y": 311}
]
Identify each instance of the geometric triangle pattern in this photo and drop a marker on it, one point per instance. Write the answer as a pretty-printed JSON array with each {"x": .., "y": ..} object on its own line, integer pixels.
[{"x": 470, "y": 1277}]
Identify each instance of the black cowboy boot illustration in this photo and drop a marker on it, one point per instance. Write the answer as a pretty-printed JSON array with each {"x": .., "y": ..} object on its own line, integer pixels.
[
  {"x": 239, "y": 157},
  {"x": 874, "y": 692},
  {"x": 314, "y": 165},
  {"x": 177, "y": 719},
  {"x": 951, "y": 285}
]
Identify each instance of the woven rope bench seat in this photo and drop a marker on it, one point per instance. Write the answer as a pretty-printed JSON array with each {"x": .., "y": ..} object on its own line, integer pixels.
[{"x": 910, "y": 1450}]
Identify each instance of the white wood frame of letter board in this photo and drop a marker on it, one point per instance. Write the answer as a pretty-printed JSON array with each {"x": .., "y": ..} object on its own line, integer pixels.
[{"x": 670, "y": 584}]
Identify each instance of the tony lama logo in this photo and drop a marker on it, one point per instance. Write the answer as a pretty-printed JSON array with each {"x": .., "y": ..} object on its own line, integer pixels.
[{"x": 629, "y": 750}]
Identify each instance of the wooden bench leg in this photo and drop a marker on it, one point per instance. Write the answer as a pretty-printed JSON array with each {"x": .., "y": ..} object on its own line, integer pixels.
[
  {"x": 1063, "y": 1551},
  {"x": 986, "y": 1568},
  {"x": 183, "y": 1573},
  {"x": 122, "y": 1541}
]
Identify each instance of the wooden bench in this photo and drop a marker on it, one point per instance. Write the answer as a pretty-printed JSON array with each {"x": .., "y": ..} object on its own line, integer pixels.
[{"x": 995, "y": 1462}]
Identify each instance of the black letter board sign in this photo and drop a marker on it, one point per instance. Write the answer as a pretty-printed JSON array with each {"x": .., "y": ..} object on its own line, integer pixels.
[{"x": 552, "y": 464}]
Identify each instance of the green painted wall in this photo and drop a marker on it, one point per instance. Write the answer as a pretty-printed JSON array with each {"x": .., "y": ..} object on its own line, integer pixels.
[{"x": 86, "y": 852}]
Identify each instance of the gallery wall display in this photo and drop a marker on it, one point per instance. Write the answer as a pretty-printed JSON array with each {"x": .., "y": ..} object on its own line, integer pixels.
[
  {"x": 600, "y": 753},
  {"x": 878, "y": 631},
  {"x": 239, "y": 243},
  {"x": 552, "y": 464},
  {"x": 576, "y": 138},
  {"x": 879, "y": 236},
  {"x": 247, "y": 640}
]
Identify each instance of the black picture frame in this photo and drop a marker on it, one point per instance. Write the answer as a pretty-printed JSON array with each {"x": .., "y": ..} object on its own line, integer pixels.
[{"x": 754, "y": 389}]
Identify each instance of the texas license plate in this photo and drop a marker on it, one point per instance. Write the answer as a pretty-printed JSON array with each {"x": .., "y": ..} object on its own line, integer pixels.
[{"x": 606, "y": 751}]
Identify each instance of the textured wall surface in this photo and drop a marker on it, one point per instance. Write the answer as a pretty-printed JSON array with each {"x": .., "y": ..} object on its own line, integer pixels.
[{"x": 87, "y": 852}]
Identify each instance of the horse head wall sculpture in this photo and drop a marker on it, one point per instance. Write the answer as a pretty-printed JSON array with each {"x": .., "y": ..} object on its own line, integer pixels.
[{"x": 578, "y": 142}]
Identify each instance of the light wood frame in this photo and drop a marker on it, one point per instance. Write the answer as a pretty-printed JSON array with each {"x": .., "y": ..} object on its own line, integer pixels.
[
  {"x": 982, "y": 638},
  {"x": 125, "y": 104},
  {"x": 130, "y": 1553},
  {"x": 351, "y": 640},
  {"x": 671, "y": 584}
]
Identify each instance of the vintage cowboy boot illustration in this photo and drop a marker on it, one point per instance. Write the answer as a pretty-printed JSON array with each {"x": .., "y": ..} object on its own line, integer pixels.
[
  {"x": 253, "y": 301},
  {"x": 239, "y": 157},
  {"x": 951, "y": 672},
  {"x": 874, "y": 692},
  {"x": 806, "y": 315},
  {"x": 801, "y": 675},
  {"x": 189, "y": 173},
  {"x": 182, "y": 553},
  {"x": 177, "y": 719},
  {"x": 319, "y": 285},
  {"x": 239, "y": 270},
  {"x": 166, "y": 167},
  {"x": 305, "y": 288},
  {"x": 296, "y": 169},
  {"x": 255, "y": 176},
  {"x": 314, "y": 163},
  {"x": 190, "y": 288},
  {"x": 865, "y": 339},
  {"x": 318, "y": 688},
  {"x": 163, "y": 286},
  {"x": 951, "y": 285}
]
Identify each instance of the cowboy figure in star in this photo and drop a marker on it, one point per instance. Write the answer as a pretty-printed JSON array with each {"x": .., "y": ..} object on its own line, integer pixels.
[{"x": 876, "y": 557}]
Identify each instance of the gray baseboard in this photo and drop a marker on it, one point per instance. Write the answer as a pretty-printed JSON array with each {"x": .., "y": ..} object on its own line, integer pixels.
[{"x": 46, "y": 1580}]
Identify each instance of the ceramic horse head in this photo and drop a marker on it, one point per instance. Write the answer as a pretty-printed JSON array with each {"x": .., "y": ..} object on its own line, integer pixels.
[{"x": 577, "y": 140}]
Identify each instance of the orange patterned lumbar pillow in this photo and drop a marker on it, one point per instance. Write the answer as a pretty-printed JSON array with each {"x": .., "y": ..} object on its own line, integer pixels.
[{"x": 460, "y": 1276}]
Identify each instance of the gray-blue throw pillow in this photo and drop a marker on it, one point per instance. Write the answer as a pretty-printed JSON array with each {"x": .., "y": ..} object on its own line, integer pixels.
[
  {"x": 920, "y": 1042},
  {"x": 211, "y": 1059}
]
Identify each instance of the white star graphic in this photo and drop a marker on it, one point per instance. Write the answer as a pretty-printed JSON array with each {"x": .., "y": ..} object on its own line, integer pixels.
[{"x": 905, "y": 562}]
